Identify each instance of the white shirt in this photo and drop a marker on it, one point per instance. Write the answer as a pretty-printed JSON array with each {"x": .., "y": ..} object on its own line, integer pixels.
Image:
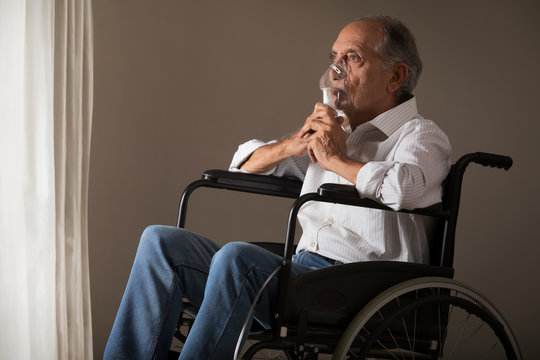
[{"x": 407, "y": 158}]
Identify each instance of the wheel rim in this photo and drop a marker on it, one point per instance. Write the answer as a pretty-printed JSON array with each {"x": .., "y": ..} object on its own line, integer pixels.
[
  {"x": 461, "y": 334},
  {"x": 461, "y": 297}
]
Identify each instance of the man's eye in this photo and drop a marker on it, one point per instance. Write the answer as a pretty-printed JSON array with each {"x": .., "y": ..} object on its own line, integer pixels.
[{"x": 354, "y": 57}]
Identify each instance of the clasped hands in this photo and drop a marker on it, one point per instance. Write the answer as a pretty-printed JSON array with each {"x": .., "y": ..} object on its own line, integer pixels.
[{"x": 321, "y": 136}]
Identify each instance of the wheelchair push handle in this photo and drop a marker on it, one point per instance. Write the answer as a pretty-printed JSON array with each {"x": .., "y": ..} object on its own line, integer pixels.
[{"x": 493, "y": 160}]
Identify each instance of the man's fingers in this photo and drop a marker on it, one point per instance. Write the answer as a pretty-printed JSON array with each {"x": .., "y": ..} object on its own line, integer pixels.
[
  {"x": 323, "y": 107},
  {"x": 312, "y": 156},
  {"x": 324, "y": 112},
  {"x": 321, "y": 114},
  {"x": 307, "y": 128},
  {"x": 320, "y": 125}
]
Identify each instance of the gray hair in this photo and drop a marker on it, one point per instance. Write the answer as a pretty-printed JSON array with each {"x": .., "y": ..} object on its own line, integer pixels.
[{"x": 398, "y": 45}]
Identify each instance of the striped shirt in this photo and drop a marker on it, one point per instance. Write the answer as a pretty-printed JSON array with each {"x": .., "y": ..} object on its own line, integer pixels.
[{"x": 407, "y": 158}]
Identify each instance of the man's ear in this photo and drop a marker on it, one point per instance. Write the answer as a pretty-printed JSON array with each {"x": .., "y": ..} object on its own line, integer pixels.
[{"x": 399, "y": 74}]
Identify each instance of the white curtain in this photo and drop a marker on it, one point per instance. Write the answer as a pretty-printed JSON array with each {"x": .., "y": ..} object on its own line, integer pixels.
[{"x": 45, "y": 125}]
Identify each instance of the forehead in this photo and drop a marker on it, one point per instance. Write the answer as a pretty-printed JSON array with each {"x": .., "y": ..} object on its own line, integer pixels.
[{"x": 360, "y": 35}]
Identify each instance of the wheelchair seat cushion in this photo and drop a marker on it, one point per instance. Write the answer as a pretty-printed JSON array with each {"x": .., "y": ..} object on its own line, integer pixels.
[{"x": 333, "y": 295}]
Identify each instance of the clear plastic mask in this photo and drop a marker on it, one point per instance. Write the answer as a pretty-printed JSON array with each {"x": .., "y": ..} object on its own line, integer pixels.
[{"x": 333, "y": 83}]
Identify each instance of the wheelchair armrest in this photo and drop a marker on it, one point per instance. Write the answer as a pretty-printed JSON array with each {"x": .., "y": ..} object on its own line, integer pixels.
[
  {"x": 250, "y": 183},
  {"x": 348, "y": 195},
  {"x": 260, "y": 184}
]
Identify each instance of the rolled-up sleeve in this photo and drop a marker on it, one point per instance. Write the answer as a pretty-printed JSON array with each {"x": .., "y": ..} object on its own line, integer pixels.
[
  {"x": 294, "y": 166},
  {"x": 243, "y": 153},
  {"x": 370, "y": 177},
  {"x": 412, "y": 177}
]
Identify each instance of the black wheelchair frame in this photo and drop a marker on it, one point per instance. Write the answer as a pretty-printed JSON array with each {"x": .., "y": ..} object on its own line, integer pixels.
[{"x": 316, "y": 316}]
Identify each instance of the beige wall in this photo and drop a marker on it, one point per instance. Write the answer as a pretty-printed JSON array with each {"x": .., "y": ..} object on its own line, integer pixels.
[{"x": 179, "y": 84}]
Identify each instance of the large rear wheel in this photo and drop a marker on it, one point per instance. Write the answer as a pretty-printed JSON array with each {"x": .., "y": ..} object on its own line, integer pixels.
[{"x": 428, "y": 318}]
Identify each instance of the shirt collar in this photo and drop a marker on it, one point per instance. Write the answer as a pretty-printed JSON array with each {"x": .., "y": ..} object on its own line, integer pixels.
[{"x": 389, "y": 121}]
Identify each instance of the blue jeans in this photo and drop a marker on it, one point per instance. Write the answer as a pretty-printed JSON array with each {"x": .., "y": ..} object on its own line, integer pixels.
[{"x": 172, "y": 264}]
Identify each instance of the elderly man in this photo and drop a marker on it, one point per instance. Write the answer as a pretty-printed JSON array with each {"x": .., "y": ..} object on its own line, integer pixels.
[{"x": 377, "y": 141}]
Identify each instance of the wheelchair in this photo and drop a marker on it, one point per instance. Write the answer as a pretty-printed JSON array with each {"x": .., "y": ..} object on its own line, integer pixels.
[{"x": 376, "y": 309}]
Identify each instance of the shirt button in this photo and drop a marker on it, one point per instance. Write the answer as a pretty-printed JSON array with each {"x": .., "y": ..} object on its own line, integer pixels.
[
  {"x": 312, "y": 244},
  {"x": 330, "y": 220}
]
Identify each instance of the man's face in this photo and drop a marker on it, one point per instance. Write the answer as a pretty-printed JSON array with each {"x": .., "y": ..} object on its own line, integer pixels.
[{"x": 364, "y": 94}]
